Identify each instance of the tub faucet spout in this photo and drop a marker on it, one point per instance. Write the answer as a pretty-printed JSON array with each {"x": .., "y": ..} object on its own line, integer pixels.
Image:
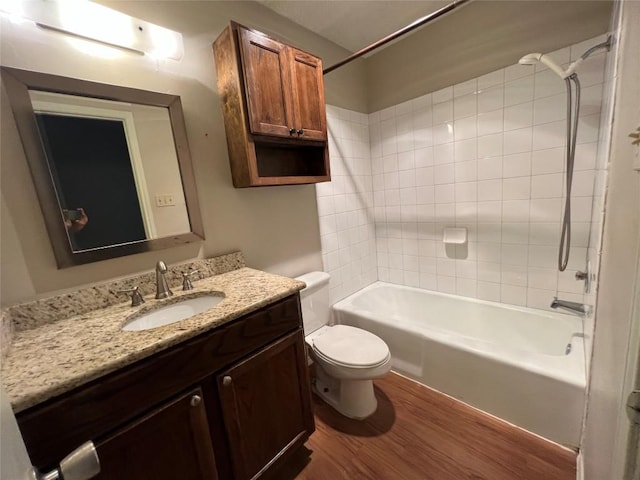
[{"x": 575, "y": 307}]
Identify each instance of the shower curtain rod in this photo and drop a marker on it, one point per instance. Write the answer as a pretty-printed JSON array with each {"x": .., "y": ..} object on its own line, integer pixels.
[{"x": 412, "y": 26}]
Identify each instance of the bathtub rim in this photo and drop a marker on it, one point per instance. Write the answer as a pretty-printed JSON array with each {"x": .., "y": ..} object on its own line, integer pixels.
[{"x": 568, "y": 368}]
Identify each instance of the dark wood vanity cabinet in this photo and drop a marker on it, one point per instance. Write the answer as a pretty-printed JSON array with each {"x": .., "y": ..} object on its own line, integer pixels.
[
  {"x": 172, "y": 441},
  {"x": 263, "y": 410},
  {"x": 232, "y": 403},
  {"x": 274, "y": 109}
]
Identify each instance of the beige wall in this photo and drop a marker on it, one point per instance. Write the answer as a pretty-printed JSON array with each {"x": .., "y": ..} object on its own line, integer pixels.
[
  {"x": 476, "y": 39},
  {"x": 276, "y": 227}
]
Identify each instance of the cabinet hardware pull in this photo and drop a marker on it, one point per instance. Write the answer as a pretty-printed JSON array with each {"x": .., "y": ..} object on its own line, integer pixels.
[
  {"x": 300, "y": 132},
  {"x": 226, "y": 380},
  {"x": 195, "y": 400},
  {"x": 292, "y": 131}
]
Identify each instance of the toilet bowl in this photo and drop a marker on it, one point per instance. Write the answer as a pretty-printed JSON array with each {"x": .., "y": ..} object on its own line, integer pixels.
[{"x": 347, "y": 358}]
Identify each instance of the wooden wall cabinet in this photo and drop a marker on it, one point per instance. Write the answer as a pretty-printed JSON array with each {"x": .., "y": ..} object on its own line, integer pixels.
[
  {"x": 233, "y": 403},
  {"x": 274, "y": 110}
]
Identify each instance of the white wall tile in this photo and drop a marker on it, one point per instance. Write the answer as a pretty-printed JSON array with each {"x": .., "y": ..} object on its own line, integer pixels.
[
  {"x": 542, "y": 278},
  {"x": 423, "y": 157},
  {"x": 518, "y": 116},
  {"x": 550, "y": 109},
  {"x": 443, "y": 112},
  {"x": 466, "y": 287},
  {"x": 466, "y": 171},
  {"x": 442, "y": 133},
  {"x": 491, "y": 99},
  {"x": 490, "y": 122},
  {"x": 466, "y": 192},
  {"x": 540, "y": 298},
  {"x": 490, "y": 145},
  {"x": 548, "y": 83},
  {"x": 489, "y": 168},
  {"x": 514, "y": 275},
  {"x": 487, "y": 154},
  {"x": 465, "y": 106},
  {"x": 488, "y": 291},
  {"x": 444, "y": 174},
  {"x": 445, "y": 193},
  {"x": 465, "y": 150},
  {"x": 514, "y": 295},
  {"x": 516, "y": 189},
  {"x": 553, "y": 160},
  {"x": 517, "y": 141},
  {"x": 519, "y": 91},
  {"x": 516, "y": 165},
  {"x": 515, "y": 232},
  {"x": 466, "y": 128},
  {"x": 549, "y": 135}
]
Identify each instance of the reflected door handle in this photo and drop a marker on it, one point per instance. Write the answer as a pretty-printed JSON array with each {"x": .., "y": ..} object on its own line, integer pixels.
[{"x": 226, "y": 380}]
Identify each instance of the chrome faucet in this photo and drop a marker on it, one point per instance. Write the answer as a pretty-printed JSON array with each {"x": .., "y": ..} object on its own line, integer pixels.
[
  {"x": 572, "y": 306},
  {"x": 162, "y": 287}
]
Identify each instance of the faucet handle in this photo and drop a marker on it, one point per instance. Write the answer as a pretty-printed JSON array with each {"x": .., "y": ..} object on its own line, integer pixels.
[
  {"x": 136, "y": 296},
  {"x": 186, "y": 280}
]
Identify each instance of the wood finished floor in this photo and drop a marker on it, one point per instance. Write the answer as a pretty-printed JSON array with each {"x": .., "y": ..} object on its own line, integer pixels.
[{"x": 417, "y": 434}]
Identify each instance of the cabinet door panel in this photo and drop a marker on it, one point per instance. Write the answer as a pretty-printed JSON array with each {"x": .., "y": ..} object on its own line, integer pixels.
[
  {"x": 169, "y": 443},
  {"x": 266, "y": 406},
  {"x": 308, "y": 91},
  {"x": 267, "y": 84}
]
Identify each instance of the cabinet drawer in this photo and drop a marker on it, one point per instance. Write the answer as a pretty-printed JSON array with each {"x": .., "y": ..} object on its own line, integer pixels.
[{"x": 54, "y": 428}]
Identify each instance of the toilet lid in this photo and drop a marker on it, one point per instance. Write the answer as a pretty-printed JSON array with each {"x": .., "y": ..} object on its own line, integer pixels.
[{"x": 351, "y": 346}]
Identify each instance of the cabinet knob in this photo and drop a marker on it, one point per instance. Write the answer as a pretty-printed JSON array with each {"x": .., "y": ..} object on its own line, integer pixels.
[
  {"x": 226, "y": 380},
  {"x": 292, "y": 131},
  {"x": 195, "y": 400},
  {"x": 300, "y": 131}
]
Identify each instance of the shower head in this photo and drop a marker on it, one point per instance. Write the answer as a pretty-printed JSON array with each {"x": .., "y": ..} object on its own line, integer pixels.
[{"x": 533, "y": 58}]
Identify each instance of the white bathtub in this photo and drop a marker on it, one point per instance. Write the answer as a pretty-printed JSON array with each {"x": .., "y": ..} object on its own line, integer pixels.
[{"x": 523, "y": 365}]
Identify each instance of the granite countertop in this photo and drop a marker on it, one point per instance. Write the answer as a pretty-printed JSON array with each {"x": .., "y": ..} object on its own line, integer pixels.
[{"x": 53, "y": 358}]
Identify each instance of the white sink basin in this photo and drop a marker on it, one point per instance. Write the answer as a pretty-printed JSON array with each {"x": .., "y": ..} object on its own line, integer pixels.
[{"x": 173, "y": 313}]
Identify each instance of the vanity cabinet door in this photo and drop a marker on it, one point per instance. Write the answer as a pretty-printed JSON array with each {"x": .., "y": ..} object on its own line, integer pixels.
[
  {"x": 267, "y": 81},
  {"x": 308, "y": 96},
  {"x": 266, "y": 406},
  {"x": 170, "y": 443}
]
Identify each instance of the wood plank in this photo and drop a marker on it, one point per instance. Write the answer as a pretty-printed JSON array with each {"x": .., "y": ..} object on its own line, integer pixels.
[{"x": 419, "y": 433}]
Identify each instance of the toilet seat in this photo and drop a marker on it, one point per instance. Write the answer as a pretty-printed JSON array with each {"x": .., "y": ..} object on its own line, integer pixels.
[{"x": 350, "y": 347}]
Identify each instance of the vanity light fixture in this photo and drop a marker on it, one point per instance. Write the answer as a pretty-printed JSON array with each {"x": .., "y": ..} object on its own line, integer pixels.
[{"x": 88, "y": 20}]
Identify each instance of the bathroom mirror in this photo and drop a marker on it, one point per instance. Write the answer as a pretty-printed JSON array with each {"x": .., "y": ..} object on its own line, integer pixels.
[{"x": 111, "y": 165}]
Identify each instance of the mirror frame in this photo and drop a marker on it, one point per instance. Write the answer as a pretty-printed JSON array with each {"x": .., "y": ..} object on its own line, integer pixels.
[{"x": 18, "y": 83}]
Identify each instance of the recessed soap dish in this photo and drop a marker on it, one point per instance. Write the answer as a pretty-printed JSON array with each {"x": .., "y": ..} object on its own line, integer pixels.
[{"x": 454, "y": 235}]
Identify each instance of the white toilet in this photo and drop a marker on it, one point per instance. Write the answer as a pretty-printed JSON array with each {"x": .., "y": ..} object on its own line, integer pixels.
[{"x": 347, "y": 358}]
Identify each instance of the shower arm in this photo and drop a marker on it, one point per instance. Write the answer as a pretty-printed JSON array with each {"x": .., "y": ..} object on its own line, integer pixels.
[{"x": 606, "y": 45}]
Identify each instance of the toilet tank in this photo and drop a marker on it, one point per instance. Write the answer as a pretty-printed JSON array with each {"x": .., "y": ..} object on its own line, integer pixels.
[{"x": 316, "y": 309}]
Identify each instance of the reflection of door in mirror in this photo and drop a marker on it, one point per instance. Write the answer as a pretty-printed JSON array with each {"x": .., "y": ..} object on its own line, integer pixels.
[
  {"x": 91, "y": 169},
  {"x": 116, "y": 161}
]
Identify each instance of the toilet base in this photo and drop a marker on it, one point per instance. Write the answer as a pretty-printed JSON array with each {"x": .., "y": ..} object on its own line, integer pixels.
[{"x": 351, "y": 398}]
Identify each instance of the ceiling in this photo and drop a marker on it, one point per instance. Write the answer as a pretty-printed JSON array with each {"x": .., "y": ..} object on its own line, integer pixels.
[{"x": 353, "y": 24}]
